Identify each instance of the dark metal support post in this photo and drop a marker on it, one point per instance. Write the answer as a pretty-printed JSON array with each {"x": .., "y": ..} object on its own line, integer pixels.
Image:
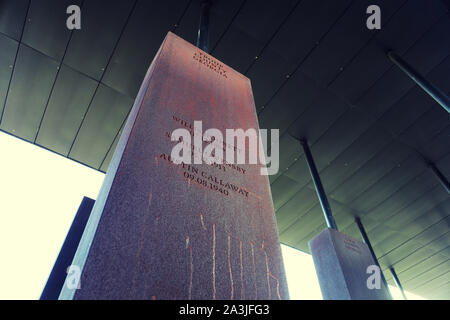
[
  {"x": 429, "y": 88},
  {"x": 442, "y": 179},
  {"x": 397, "y": 282},
  {"x": 319, "y": 187},
  {"x": 203, "y": 28},
  {"x": 367, "y": 241}
]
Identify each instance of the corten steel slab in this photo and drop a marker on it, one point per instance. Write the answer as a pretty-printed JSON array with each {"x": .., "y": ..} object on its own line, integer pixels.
[
  {"x": 153, "y": 234},
  {"x": 58, "y": 274},
  {"x": 341, "y": 264}
]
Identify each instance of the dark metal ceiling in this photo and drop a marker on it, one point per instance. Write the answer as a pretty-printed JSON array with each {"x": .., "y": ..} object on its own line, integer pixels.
[{"x": 316, "y": 72}]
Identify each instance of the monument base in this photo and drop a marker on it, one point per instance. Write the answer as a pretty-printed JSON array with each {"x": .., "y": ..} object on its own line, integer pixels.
[{"x": 345, "y": 268}]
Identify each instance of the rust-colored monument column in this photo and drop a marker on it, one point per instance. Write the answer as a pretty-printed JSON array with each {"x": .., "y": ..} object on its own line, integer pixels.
[{"x": 159, "y": 230}]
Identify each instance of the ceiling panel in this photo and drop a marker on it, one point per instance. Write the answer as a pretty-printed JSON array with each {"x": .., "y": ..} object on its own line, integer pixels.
[
  {"x": 260, "y": 19},
  {"x": 421, "y": 134},
  {"x": 437, "y": 215},
  {"x": 136, "y": 48},
  {"x": 389, "y": 240},
  {"x": 106, "y": 114},
  {"x": 298, "y": 242},
  {"x": 12, "y": 17},
  {"x": 346, "y": 38},
  {"x": 352, "y": 228},
  {"x": 394, "y": 84},
  {"x": 442, "y": 165},
  {"x": 415, "y": 103},
  {"x": 407, "y": 194},
  {"x": 437, "y": 282},
  {"x": 309, "y": 224},
  {"x": 293, "y": 42},
  {"x": 299, "y": 171},
  {"x": 439, "y": 244},
  {"x": 428, "y": 269},
  {"x": 295, "y": 232},
  {"x": 290, "y": 148},
  {"x": 298, "y": 94},
  {"x": 295, "y": 207},
  {"x": 433, "y": 262},
  {"x": 335, "y": 140},
  {"x": 354, "y": 157},
  {"x": 222, "y": 14},
  {"x": 430, "y": 232},
  {"x": 378, "y": 233},
  {"x": 415, "y": 16},
  {"x": 426, "y": 202},
  {"x": 439, "y": 76},
  {"x": 7, "y": 56},
  {"x": 388, "y": 184},
  {"x": 282, "y": 190},
  {"x": 403, "y": 249},
  {"x": 433, "y": 276},
  {"x": 438, "y": 147},
  {"x": 437, "y": 292},
  {"x": 45, "y": 28},
  {"x": 326, "y": 109},
  {"x": 34, "y": 73},
  {"x": 432, "y": 235},
  {"x": 255, "y": 24},
  {"x": 66, "y": 109},
  {"x": 416, "y": 261},
  {"x": 407, "y": 26},
  {"x": 313, "y": 220},
  {"x": 371, "y": 172},
  {"x": 276, "y": 68},
  {"x": 105, "y": 164},
  {"x": 306, "y": 27},
  {"x": 91, "y": 47},
  {"x": 290, "y": 151},
  {"x": 338, "y": 137},
  {"x": 344, "y": 217},
  {"x": 243, "y": 48}
]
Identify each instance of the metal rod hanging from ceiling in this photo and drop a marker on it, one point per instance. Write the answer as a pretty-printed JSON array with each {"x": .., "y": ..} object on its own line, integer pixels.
[
  {"x": 442, "y": 179},
  {"x": 367, "y": 241},
  {"x": 426, "y": 85},
  {"x": 319, "y": 187},
  {"x": 397, "y": 282},
  {"x": 203, "y": 28}
]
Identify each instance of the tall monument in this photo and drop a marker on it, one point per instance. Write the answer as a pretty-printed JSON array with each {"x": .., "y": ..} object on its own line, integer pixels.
[{"x": 161, "y": 230}]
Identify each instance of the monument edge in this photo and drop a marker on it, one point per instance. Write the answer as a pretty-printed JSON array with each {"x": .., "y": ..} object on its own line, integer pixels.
[{"x": 91, "y": 227}]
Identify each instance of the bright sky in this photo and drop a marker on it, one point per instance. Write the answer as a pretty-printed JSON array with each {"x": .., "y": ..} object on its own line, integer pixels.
[{"x": 39, "y": 195}]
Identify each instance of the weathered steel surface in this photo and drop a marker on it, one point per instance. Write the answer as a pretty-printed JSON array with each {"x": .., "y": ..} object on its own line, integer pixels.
[
  {"x": 58, "y": 274},
  {"x": 341, "y": 265},
  {"x": 155, "y": 234}
]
